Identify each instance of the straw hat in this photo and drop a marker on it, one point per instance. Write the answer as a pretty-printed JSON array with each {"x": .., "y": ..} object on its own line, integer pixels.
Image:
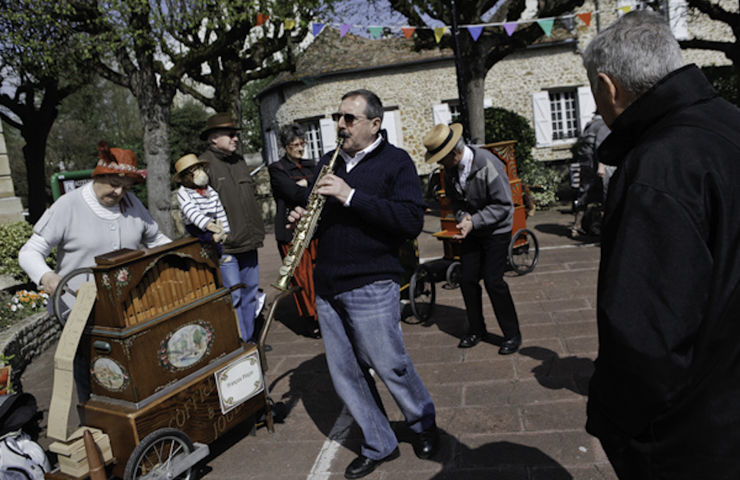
[
  {"x": 117, "y": 161},
  {"x": 441, "y": 140},
  {"x": 185, "y": 162},
  {"x": 219, "y": 121}
]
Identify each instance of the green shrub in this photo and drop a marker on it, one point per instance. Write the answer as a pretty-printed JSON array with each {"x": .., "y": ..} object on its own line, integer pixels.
[
  {"x": 501, "y": 125},
  {"x": 12, "y": 238}
]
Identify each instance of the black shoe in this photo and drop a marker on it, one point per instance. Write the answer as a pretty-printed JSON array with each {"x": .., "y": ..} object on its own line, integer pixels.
[
  {"x": 266, "y": 347},
  {"x": 427, "y": 443},
  {"x": 314, "y": 333},
  {"x": 511, "y": 345},
  {"x": 362, "y": 465},
  {"x": 470, "y": 340}
]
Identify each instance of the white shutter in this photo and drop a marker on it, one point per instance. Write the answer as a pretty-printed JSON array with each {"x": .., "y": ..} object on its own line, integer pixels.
[
  {"x": 487, "y": 102},
  {"x": 273, "y": 155},
  {"x": 542, "y": 119},
  {"x": 677, "y": 10},
  {"x": 328, "y": 134},
  {"x": 392, "y": 125},
  {"x": 586, "y": 106},
  {"x": 442, "y": 114}
]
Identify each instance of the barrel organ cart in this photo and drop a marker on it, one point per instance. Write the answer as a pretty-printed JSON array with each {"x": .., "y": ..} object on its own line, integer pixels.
[{"x": 168, "y": 370}]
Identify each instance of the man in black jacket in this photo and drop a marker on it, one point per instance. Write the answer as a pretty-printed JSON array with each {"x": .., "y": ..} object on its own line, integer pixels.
[{"x": 664, "y": 398}]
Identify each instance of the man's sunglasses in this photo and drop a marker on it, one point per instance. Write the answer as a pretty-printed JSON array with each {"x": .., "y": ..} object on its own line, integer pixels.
[{"x": 349, "y": 118}]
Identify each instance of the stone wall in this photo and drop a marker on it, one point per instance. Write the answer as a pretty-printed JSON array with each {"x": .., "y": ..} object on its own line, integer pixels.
[
  {"x": 510, "y": 84},
  {"x": 26, "y": 340}
]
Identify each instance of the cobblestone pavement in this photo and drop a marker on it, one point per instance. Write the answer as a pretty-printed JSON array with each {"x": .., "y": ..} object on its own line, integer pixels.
[{"x": 516, "y": 417}]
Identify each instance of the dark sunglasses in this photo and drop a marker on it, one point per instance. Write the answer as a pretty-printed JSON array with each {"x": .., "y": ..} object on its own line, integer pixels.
[{"x": 349, "y": 118}]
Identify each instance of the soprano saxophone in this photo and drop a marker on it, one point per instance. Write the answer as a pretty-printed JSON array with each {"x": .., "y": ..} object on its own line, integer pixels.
[{"x": 306, "y": 225}]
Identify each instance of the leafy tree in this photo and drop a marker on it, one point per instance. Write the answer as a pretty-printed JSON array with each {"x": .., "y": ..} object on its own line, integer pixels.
[
  {"x": 42, "y": 62},
  {"x": 186, "y": 122},
  {"x": 251, "y": 138},
  {"x": 260, "y": 51},
  {"x": 731, "y": 46},
  {"x": 493, "y": 45}
]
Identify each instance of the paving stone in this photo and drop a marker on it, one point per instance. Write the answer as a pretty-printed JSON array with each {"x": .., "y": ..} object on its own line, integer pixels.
[{"x": 561, "y": 415}]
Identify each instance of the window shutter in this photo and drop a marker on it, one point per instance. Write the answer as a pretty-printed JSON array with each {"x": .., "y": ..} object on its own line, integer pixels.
[
  {"x": 586, "y": 106},
  {"x": 328, "y": 134},
  {"x": 392, "y": 125},
  {"x": 542, "y": 119},
  {"x": 273, "y": 155},
  {"x": 442, "y": 114}
]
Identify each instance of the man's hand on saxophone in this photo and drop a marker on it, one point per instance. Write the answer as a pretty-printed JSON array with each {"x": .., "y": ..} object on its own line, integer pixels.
[{"x": 333, "y": 186}]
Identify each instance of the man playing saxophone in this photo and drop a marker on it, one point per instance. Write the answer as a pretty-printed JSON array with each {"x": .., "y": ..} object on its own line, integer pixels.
[{"x": 373, "y": 203}]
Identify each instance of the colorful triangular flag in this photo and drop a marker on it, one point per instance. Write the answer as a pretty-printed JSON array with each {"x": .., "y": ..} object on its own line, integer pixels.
[
  {"x": 262, "y": 18},
  {"x": 375, "y": 31},
  {"x": 510, "y": 28},
  {"x": 546, "y": 25},
  {"x": 585, "y": 18},
  {"x": 317, "y": 27},
  {"x": 626, "y": 8},
  {"x": 408, "y": 31},
  {"x": 344, "y": 29},
  {"x": 475, "y": 32},
  {"x": 439, "y": 32},
  {"x": 289, "y": 24}
]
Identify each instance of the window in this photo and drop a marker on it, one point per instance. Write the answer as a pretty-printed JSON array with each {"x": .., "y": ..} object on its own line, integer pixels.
[
  {"x": 564, "y": 115},
  {"x": 561, "y": 114},
  {"x": 314, "y": 145},
  {"x": 674, "y": 10},
  {"x": 449, "y": 111}
]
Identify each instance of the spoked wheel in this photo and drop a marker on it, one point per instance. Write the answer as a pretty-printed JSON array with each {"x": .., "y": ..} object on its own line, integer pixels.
[
  {"x": 62, "y": 288},
  {"x": 453, "y": 274},
  {"x": 422, "y": 294},
  {"x": 524, "y": 251},
  {"x": 159, "y": 455}
]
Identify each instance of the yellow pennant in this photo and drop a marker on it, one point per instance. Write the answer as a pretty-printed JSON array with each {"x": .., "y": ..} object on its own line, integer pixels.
[
  {"x": 626, "y": 8},
  {"x": 439, "y": 32},
  {"x": 289, "y": 24}
]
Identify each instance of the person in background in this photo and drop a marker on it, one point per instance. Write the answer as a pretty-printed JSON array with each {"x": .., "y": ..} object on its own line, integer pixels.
[
  {"x": 593, "y": 173},
  {"x": 373, "y": 204},
  {"x": 480, "y": 195},
  {"x": 663, "y": 399},
  {"x": 200, "y": 206},
  {"x": 99, "y": 217},
  {"x": 230, "y": 177},
  {"x": 289, "y": 178}
]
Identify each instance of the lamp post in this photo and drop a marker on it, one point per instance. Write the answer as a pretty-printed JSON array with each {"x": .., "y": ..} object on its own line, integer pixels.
[{"x": 464, "y": 118}]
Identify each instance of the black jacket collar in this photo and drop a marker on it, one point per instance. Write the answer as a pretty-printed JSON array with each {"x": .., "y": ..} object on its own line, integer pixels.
[{"x": 677, "y": 90}]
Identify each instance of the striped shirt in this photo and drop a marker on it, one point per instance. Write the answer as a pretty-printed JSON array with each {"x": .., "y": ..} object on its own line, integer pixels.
[{"x": 198, "y": 209}]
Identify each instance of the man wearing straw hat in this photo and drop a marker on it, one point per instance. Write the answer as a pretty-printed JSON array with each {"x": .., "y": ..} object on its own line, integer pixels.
[
  {"x": 478, "y": 187},
  {"x": 230, "y": 177}
]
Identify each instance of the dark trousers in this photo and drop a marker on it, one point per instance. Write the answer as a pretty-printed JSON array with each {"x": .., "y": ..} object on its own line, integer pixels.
[{"x": 485, "y": 257}]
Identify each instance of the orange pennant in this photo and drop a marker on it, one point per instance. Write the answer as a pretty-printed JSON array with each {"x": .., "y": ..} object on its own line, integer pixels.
[
  {"x": 261, "y": 18},
  {"x": 585, "y": 17},
  {"x": 408, "y": 31}
]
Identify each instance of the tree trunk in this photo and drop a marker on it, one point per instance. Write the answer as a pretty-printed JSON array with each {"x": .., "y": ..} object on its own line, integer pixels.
[
  {"x": 34, "y": 155},
  {"x": 474, "y": 93},
  {"x": 156, "y": 121}
]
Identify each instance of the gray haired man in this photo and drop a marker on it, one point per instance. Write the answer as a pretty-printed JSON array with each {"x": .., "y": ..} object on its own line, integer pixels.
[{"x": 664, "y": 399}]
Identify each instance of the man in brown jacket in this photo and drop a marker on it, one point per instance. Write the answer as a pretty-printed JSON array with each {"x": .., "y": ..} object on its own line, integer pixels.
[{"x": 229, "y": 176}]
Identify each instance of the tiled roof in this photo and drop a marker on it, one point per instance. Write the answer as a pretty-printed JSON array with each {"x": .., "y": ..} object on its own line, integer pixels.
[{"x": 329, "y": 54}]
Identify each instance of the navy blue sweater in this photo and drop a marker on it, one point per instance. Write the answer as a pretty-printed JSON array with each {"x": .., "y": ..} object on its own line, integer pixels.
[{"x": 359, "y": 244}]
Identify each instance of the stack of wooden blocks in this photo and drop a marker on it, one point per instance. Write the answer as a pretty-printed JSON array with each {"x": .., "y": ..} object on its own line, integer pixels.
[{"x": 72, "y": 456}]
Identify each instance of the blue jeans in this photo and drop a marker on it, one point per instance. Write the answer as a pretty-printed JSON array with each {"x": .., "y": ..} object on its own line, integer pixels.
[
  {"x": 361, "y": 330},
  {"x": 242, "y": 268}
]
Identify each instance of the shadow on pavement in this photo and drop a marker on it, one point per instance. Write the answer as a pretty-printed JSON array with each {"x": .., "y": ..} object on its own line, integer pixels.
[
  {"x": 491, "y": 460},
  {"x": 572, "y": 373}
]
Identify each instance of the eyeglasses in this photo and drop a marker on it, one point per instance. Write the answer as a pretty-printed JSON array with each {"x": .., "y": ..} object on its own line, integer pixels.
[{"x": 349, "y": 118}]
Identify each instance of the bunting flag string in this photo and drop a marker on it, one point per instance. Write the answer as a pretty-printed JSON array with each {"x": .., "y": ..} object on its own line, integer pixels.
[{"x": 475, "y": 31}]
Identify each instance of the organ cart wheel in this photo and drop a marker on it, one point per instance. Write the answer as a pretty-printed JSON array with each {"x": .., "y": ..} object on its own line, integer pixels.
[
  {"x": 524, "y": 251},
  {"x": 62, "y": 289},
  {"x": 158, "y": 456},
  {"x": 454, "y": 274},
  {"x": 422, "y": 294}
]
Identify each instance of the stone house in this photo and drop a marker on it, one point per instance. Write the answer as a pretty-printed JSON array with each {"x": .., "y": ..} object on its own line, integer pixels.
[{"x": 545, "y": 83}]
